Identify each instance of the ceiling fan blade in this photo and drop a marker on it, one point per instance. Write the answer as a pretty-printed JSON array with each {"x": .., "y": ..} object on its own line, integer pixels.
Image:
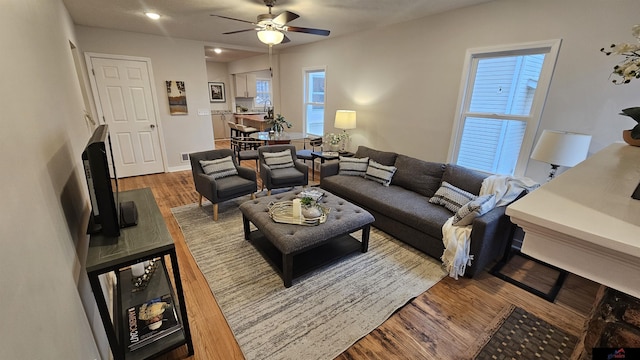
[
  {"x": 307, "y": 30},
  {"x": 230, "y": 18},
  {"x": 285, "y": 17},
  {"x": 237, "y": 31},
  {"x": 285, "y": 40}
]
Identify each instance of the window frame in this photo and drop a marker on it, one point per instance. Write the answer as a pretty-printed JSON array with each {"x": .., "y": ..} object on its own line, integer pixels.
[
  {"x": 306, "y": 96},
  {"x": 551, "y": 49}
]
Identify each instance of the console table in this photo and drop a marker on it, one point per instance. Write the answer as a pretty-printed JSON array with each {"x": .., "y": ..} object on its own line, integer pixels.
[
  {"x": 585, "y": 221},
  {"x": 148, "y": 240}
]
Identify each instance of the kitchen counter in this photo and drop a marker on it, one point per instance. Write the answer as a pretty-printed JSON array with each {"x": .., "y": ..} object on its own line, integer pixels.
[{"x": 253, "y": 119}]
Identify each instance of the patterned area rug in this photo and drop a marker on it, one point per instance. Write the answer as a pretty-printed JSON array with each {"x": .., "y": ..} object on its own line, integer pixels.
[
  {"x": 521, "y": 335},
  {"x": 324, "y": 312}
]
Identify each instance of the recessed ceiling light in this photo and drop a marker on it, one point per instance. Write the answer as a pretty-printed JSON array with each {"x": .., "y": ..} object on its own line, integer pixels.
[
  {"x": 152, "y": 15},
  {"x": 217, "y": 50}
]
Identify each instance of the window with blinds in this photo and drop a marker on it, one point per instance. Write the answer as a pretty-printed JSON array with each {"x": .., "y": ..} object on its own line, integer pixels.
[
  {"x": 314, "y": 101},
  {"x": 501, "y": 107}
]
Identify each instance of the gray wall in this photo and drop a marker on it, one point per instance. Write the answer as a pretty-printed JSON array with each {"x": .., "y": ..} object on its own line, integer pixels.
[
  {"x": 44, "y": 202},
  {"x": 404, "y": 80}
]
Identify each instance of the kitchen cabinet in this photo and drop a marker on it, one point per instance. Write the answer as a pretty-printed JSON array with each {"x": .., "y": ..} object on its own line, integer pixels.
[{"x": 245, "y": 85}]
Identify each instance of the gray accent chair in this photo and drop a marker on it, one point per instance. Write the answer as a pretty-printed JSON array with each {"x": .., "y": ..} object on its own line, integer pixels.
[
  {"x": 222, "y": 189},
  {"x": 282, "y": 178}
]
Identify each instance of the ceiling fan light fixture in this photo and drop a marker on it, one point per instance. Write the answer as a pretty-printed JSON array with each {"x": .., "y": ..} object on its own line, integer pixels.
[{"x": 270, "y": 37}]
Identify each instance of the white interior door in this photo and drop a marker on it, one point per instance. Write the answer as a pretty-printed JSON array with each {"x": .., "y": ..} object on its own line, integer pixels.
[{"x": 125, "y": 101}]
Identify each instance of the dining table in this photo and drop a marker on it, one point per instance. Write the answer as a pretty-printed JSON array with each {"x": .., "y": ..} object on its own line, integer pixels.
[{"x": 284, "y": 137}]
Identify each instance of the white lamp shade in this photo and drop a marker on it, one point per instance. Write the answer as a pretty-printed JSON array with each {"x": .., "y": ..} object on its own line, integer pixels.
[
  {"x": 270, "y": 37},
  {"x": 345, "y": 119},
  {"x": 561, "y": 148}
]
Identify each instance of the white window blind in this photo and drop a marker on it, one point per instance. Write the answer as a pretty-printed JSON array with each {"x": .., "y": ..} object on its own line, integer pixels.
[{"x": 501, "y": 107}]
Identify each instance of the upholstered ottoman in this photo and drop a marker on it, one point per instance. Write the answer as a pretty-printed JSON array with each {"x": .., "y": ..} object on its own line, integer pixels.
[{"x": 297, "y": 249}]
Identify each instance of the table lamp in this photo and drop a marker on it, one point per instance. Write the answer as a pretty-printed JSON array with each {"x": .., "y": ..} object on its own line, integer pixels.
[
  {"x": 559, "y": 148},
  {"x": 345, "y": 120}
]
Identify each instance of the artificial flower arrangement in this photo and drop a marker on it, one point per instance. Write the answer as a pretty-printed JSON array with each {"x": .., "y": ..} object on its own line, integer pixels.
[
  {"x": 278, "y": 123},
  {"x": 335, "y": 139},
  {"x": 630, "y": 66}
]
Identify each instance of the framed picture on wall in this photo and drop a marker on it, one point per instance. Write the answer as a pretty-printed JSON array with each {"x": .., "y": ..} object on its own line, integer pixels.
[{"x": 216, "y": 92}]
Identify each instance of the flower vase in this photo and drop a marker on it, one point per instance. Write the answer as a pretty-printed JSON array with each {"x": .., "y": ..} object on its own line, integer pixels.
[
  {"x": 626, "y": 136},
  {"x": 334, "y": 147}
]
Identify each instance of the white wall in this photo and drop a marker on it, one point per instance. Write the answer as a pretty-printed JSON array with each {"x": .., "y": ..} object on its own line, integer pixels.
[
  {"x": 404, "y": 79},
  {"x": 171, "y": 59},
  {"x": 44, "y": 202}
]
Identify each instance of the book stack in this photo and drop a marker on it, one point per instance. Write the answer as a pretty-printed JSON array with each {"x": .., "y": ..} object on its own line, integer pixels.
[{"x": 150, "y": 321}]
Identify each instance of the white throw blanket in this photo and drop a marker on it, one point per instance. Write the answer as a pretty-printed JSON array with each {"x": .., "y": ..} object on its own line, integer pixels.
[{"x": 457, "y": 239}]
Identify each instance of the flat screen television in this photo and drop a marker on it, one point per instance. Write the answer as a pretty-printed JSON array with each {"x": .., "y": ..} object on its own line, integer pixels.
[{"x": 106, "y": 211}]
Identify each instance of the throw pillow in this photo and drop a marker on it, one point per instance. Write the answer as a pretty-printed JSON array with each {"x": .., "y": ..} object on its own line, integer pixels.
[
  {"x": 278, "y": 160},
  {"x": 353, "y": 166},
  {"x": 219, "y": 168},
  {"x": 451, "y": 197},
  {"x": 379, "y": 173},
  {"x": 474, "y": 208}
]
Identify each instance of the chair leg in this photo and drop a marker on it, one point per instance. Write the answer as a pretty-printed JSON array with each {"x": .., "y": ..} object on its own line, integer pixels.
[
  {"x": 268, "y": 192},
  {"x": 215, "y": 212},
  {"x": 253, "y": 196},
  {"x": 200, "y": 201}
]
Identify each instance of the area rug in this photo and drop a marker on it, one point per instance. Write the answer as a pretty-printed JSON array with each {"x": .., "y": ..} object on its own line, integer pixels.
[
  {"x": 521, "y": 335},
  {"x": 325, "y": 311}
]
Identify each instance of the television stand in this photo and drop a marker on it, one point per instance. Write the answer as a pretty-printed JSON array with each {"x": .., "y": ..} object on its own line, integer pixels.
[{"x": 150, "y": 239}]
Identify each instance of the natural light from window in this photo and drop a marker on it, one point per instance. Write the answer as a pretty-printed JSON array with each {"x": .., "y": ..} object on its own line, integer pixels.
[
  {"x": 500, "y": 113},
  {"x": 314, "y": 101}
]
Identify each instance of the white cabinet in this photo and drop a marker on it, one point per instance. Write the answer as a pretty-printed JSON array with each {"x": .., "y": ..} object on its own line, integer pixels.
[{"x": 246, "y": 85}]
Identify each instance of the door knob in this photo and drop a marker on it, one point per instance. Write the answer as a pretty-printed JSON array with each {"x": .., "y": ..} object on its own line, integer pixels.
[{"x": 153, "y": 126}]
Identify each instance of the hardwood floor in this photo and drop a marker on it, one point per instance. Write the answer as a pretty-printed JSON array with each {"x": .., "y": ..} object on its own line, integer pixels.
[{"x": 442, "y": 323}]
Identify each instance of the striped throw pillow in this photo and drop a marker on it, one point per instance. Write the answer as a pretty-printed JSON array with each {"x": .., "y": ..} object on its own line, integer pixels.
[
  {"x": 380, "y": 173},
  {"x": 219, "y": 168},
  {"x": 353, "y": 166},
  {"x": 474, "y": 208},
  {"x": 278, "y": 160},
  {"x": 451, "y": 197}
]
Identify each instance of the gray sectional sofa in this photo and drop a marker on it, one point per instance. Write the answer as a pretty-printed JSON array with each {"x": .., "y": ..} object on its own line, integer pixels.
[{"x": 403, "y": 210}]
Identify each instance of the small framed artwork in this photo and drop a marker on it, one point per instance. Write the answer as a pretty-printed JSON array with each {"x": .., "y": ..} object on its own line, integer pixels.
[{"x": 216, "y": 92}]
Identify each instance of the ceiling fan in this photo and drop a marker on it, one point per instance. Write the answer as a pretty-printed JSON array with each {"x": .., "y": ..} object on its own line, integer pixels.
[{"x": 271, "y": 28}]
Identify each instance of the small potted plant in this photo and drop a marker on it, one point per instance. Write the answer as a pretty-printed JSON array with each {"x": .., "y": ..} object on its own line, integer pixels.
[
  {"x": 278, "y": 123},
  {"x": 310, "y": 208}
]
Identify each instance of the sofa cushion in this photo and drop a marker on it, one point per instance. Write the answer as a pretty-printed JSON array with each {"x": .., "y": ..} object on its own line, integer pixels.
[
  {"x": 451, "y": 197},
  {"x": 219, "y": 168},
  {"x": 417, "y": 175},
  {"x": 278, "y": 160},
  {"x": 352, "y": 166},
  {"x": 474, "y": 208},
  {"x": 395, "y": 202},
  {"x": 463, "y": 178},
  {"x": 379, "y": 173},
  {"x": 382, "y": 157}
]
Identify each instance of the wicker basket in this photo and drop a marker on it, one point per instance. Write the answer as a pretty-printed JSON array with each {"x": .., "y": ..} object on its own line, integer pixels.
[{"x": 282, "y": 212}]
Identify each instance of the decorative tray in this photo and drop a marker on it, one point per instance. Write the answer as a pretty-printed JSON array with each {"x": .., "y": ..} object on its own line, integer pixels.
[{"x": 282, "y": 212}]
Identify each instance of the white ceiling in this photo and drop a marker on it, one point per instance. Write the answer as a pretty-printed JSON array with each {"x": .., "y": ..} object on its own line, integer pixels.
[{"x": 190, "y": 19}]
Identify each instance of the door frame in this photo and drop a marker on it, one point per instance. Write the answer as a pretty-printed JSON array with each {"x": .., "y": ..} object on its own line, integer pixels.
[{"x": 154, "y": 96}]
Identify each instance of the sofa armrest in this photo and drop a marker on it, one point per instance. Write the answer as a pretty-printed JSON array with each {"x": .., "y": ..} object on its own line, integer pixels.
[
  {"x": 246, "y": 173},
  {"x": 489, "y": 235},
  {"x": 329, "y": 168},
  {"x": 205, "y": 186}
]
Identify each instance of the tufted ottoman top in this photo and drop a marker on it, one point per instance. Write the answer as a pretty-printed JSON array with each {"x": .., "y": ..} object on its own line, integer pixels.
[{"x": 343, "y": 218}]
